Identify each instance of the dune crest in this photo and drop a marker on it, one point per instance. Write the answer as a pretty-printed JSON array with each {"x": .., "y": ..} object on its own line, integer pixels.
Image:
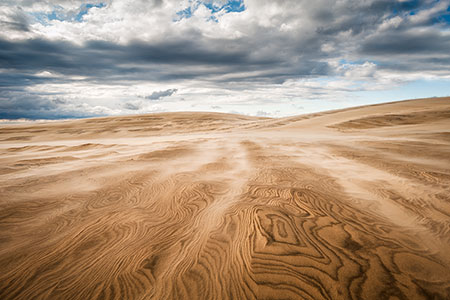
[{"x": 346, "y": 204}]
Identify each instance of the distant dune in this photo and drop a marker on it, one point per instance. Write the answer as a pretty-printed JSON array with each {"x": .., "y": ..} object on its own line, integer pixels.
[{"x": 345, "y": 204}]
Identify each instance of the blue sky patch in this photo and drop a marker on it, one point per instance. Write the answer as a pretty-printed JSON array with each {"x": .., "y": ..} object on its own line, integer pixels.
[
  {"x": 85, "y": 8},
  {"x": 56, "y": 14},
  {"x": 411, "y": 8},
  {"x": 230, "y": 6},
  {"x": 442, "y": 18},
  {"x": 213, "y": 6},
  {"x": 185, "y": 13},
  {"x": 60, "y": 14}
]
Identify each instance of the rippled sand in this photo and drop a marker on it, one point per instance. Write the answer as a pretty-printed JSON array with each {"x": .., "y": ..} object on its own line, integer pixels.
[{"x": 350, "y": 204}]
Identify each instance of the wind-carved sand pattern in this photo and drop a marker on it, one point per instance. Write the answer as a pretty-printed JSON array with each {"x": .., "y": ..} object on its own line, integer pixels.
[{"x": 350, "y": 204}]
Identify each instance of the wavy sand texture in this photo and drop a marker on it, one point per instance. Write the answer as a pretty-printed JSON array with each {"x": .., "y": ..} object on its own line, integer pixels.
[{"x": 348, "y": 204}]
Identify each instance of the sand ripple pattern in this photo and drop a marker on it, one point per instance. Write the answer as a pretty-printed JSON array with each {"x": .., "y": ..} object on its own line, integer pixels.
[{"x": 242, "y": 212}]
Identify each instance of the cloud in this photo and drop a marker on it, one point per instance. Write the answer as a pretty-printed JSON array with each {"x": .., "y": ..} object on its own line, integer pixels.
[
  {"x": 132, "y": 106},
  {"x": 14, "y": 20},
  {"x": 161, "y": 94},
  {"x": 170, "y": 60},
  {"x": 239, "y": 55},
  {"x": 211, "y": 9},
  {"x": 407, "y": 42},
  {"x": 19, "y": 104}
]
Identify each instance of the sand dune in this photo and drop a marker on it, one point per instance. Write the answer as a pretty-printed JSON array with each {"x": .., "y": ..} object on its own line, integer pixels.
[{"x": 346, "y": 204}]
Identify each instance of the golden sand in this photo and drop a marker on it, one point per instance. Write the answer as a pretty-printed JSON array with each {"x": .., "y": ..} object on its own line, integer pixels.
[{"x": 348, "y": 204}]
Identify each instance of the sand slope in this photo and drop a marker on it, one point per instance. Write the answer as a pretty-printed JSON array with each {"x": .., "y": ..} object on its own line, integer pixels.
[{"x": 348, "y": 204}]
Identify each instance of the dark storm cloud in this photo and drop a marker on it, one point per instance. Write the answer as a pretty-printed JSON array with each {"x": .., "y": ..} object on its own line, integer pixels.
[
  {"x": 407, "y": 43},
  {"x": 21, "y": 104},
  {"x": 186, "y": 52},
  {"x": 409, "y": 50},
  {"x": 360, "y": 16},
  {"x": 172, "y": 60},
  {"x": 20, "y": 80},
  {"x": 106, "y": 60}
]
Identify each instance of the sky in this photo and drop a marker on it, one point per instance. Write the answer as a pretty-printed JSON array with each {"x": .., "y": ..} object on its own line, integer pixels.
[{"x": 75, "y": 59}]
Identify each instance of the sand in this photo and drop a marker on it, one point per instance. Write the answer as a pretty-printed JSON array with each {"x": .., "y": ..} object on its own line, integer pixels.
[{"x": 347, "y": 204}]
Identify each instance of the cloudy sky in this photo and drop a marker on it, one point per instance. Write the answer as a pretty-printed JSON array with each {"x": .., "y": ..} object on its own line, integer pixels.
[{"x": 69, "y": 58}]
